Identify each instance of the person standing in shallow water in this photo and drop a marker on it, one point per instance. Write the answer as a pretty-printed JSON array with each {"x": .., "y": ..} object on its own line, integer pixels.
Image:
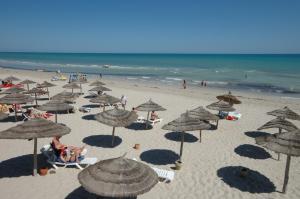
[{"x": 184, "y": 84}]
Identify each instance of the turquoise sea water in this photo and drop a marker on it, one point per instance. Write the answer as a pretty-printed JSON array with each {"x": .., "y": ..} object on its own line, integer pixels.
[{"x": 262, "y": 73}]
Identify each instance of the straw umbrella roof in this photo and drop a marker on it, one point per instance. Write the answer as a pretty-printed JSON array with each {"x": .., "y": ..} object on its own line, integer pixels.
[
  {"x": 27, "y": 81},
  {"x": 36, "y": 90},
  {"x": 97, "y": 83},
  {"x": 11, "y": 78},
  {"x": 45, "y": 84},
  {"x": 221, "y": 106},
  {"x": 150, "y": 106},
  {"x": 100, "y": 88},
  {"x": 55, "y": 105},
  {"x": 35, "y": 128},
  {"x": 279, "y": 123},
  {"x": 118, "y": 178},
  {"x": 202, "y": 114},
  {"x": 65, "y": 96},
  {"x": 105, "y": 99},
  {"x": 186, "y": 123},
  {"x": 285, "y": 113},
  {"x": 116, "y": 117},
  {"x": 16, "y": 98},
  {"x": 229, "y": 98},
  {"x": 3, "y": 115},
  {"x": 287, "y": 143},
  {"x": 71, "y": 85},
  {"x": 13, "y": 90}
]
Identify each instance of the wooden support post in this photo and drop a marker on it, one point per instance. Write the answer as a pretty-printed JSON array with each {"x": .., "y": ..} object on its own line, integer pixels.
[{"x": 286, "y": 175}]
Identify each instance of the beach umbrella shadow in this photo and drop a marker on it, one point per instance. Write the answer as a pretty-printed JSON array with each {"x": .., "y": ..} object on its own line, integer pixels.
[
  {"x": 255, "y": 134},
  {"x": 176, "y": 136},
  {"x": 11, "y": 118},
  {"x": 89, "y": 117},
  {"x": 159, "y": 156},
  {"x": 103, "y": 141},
  {"x": 254, "y": 182},
  {"x": 81, "y": 193},
  {"x": 20, "y": 166},
  {"x": 252, "y": 151},
  {"x": 138, "y": 126},
  {"x": 91, "y": 106}
]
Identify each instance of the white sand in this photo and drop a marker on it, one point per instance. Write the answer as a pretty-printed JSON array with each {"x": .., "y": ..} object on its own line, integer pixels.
[{"x": 199, "y": 176}]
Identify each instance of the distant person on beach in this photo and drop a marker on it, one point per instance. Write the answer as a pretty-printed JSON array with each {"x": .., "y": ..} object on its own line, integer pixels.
[
  {"x": 205, "y": 83},
  {"x": 134, "y": 109},
  {"x": 202, "y": 83},
  {"x": 184, "y": 84},
  {"x": 100, "y": 75},
  {"x": 123, "y": 101},
  {"x": 153, "y": 116}
]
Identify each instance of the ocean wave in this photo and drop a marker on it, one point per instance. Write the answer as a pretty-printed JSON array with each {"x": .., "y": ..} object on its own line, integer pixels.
[
  {"x": 146, "y": 77},
  {"x": 173, "y": 78}
]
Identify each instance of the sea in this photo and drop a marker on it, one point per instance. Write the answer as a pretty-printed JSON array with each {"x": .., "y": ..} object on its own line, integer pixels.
[{"x": 268, "y": 73}]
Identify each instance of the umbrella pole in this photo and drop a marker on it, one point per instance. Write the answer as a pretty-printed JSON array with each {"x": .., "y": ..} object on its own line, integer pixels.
[
  {"x": 80, "y": 89},
  {"x": 28, "y": 87},
  {"x": 15, "y": 107},
  {"x": 278, "y": 154},
  {"x": 56, "y": 117},
  {"x": 35, "y": 99},
  {"x": 35, "y": 157},
  {"x": 286, "y": 175},
  {"x": 72, "y": 90},
  {"x": 217, "y": 124},
  {"x": 48, "y": 93},
  {"x": 113, "y": 136},
  {"x": 181, "y": 146},
  {"x": 200, "y": 136},
  {"x": 147, "y": 119}
]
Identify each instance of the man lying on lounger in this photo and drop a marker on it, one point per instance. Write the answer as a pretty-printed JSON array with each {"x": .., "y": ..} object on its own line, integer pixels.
[{"x": 153, "y": 116}]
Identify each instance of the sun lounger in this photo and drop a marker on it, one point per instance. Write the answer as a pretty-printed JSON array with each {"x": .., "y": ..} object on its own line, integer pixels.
[
  {"x": 84, "y": 109},
  {"x": 52, "y": 159},
  {"x": 142, "y": 120},
  {"x": 166, "y": 175},
  {"x": 235, "y": 114}
]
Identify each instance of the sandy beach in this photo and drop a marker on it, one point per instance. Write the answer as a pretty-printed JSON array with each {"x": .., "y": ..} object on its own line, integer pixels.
[{"x": 208, "y": 167}]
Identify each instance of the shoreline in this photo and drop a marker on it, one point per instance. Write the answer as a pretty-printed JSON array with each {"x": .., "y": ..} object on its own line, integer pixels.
[{"x": 176, "y": 85}]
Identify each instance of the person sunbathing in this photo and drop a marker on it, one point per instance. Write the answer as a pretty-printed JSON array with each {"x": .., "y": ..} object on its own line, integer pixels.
[
  {"x": 67, "y": 153},
  {"x": 153, "y": 116}
]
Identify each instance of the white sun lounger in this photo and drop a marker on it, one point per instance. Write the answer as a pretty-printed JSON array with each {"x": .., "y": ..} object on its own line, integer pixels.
[
  {"x": 51, "y": 159},
  {"x": 235, "y": 114},
  {"x": 166, "y": 175},
  {"x": 141, "y": 119}
]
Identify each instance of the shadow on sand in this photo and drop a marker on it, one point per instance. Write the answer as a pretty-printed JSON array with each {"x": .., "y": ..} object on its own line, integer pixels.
[
  {"x": 81, "y": 193},
  {"x": 20, "y": 166},
  {"x": 176, "y": 136},
  {"x": 11, "y": 118},
  {"x": 139, "y": 126},
  {"x": 103, "y": 141},
  {"x": 92, "y": 106},
  {"x": 159, "y": 156},
  {"x": 89, "y": 117},
  {"x": 252, "y": 151},
  {"x": 255, "y": 134},
  {"x": 254, "y": 182}
]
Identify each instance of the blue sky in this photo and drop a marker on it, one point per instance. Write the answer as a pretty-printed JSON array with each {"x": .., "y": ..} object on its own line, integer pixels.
[{"x": 162, "y": 26}]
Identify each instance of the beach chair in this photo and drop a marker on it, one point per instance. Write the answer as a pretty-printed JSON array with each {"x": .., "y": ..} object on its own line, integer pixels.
[
  {"x": 165, "y": 175},
  {"x": 235, "y": 115},
  {"x": 84, "y": 109},
  {"x": 48, "y": 152},
  {"x": 142, "y": 120}
]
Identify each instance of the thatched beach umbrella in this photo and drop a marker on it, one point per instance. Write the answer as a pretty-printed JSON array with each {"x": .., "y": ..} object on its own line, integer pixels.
[
  {"x": 3, "y": 115},
  {"x": 80, "y": 82},
  {"x": 201, "y": 114},
  {"x": 11, "y": 79},
  {"x": 36, "y": 91},
  {"x": 118, "y": 178},
  {"x": 100, "y": 89},
  {"x": 14, "y": 99},
  {"x": 33, "y": 129},
  {"x": 231, "y": 99},
  {"x": 46, "y": 85},
  {"x": 280, "y": 124},
  {"x": 185, "y": 123},
  {"x": 13, "y": 90},
  {"x": 72, "y": 86},
  {"x": 287, "y": 143},
  {"x": 105, "y": 99},
  {"x": 116, "y": 118},
  {"x": 27, "y": 82},
  {"x": 285, "y": 113},
  {"x": 149, "y": 106},
  {"x": 55, "y": 106},
  {"x": 97, "y": 83},
  {"x": 220, "y": 106},
  {"x": 65, "y": 96}
]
